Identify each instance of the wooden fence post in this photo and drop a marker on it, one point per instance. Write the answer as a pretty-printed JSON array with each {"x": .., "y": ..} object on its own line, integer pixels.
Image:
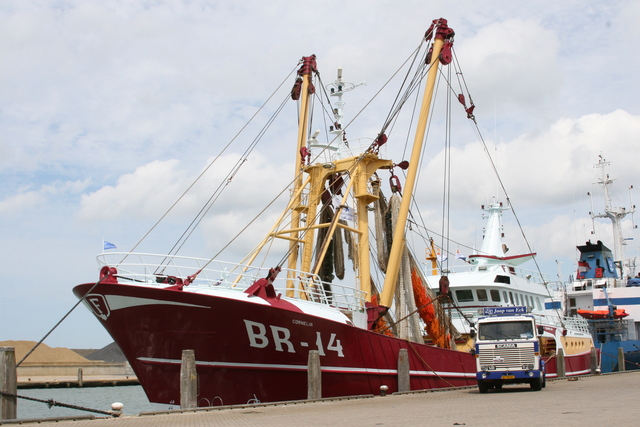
[
  {"x": 314, "y": 376},
  {"x": 8, "y": 383},
  {"x": 188, "y": 380},
  {"x": 404, "y": 376}
]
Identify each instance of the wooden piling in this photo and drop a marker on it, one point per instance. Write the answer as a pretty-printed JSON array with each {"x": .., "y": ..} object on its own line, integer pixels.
[
  {"x": 404, "y": 376},
  {"x": 314, "y": 376},
  {"x": 8, "y": 383},
  {"x": 594, "y": 361},
  {"x": 80, "y": 377},
  {"x": 562, "y": 372},
  {"x": 188, "y": 380},
  {"x": 621, "y": 364}
]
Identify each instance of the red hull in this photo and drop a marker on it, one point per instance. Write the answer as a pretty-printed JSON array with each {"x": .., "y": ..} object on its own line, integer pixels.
[
  {"x": 576, "y": 364},
  {"x": 248, "y": 352}
]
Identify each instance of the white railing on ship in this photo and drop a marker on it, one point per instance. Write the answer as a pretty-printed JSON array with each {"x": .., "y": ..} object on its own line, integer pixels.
[
  {"x": 570, "y": 323},
  {"x": 153, "y": 269},
  {"x": 577, "y": 324},
  {"x": 530, "y": 275}
]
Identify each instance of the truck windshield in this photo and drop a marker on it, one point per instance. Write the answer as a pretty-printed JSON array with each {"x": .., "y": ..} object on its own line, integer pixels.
[{"x": 505, "y": 330}]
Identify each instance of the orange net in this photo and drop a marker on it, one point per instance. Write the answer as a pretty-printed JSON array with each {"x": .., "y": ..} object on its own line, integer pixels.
[{"x": 427, "y": 311}]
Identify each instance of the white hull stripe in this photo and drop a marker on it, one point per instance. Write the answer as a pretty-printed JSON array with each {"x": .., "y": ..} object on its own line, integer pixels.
[
  {"x": 117, "y": 302},
  {"x": 332, "y": 369}
]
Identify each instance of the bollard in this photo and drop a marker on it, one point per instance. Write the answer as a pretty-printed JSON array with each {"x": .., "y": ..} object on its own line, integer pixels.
[
  {"x": 8, "y": 383},
  {"x": 383, "y": 390},
  {"x": 594, "y": 361},
  {"x": 116, "y": 409},
  {"x": 621, "y": 364},
  {"x": 314, "y": 376},
  {"x": 561, "y": 366},
  {"x": 404, "y": 376},
  {"x": 188, "y": 380},
  {"x": 79, "y": 377}
]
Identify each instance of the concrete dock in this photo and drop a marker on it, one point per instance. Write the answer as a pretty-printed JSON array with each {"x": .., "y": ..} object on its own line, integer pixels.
[
  {"x": 584, "y": 401},
  {"x": 67, "y": 381}
]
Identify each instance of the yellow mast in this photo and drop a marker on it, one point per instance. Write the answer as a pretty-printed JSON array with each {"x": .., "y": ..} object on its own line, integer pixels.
[
  {"x": 441, "y": 32},
  {"x": 306, "y": 89}
]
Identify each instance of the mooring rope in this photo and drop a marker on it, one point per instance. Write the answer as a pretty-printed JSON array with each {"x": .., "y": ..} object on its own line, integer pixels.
[{"x": 51, "y": 402}]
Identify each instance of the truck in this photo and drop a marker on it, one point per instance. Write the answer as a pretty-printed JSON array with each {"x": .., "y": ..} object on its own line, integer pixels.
[{"x": 507, "y": 349}]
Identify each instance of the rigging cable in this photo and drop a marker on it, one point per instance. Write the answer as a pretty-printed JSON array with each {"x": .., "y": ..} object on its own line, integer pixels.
[
  {"x": 502, "y": 186},
  {"x": 159, "y": 220},
  {"x": 209, "y": 165},
  {"x": 218, "y": 192}
]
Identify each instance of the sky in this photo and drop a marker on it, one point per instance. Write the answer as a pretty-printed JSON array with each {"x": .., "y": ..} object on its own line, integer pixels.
[{"x": 109, "y": 110}]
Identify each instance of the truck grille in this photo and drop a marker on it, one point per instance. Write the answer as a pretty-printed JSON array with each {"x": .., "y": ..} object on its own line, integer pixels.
[{"x": 506, "y": 358}]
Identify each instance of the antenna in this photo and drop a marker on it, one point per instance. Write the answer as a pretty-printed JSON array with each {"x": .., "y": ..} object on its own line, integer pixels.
[{"x": 633, "y": 208}]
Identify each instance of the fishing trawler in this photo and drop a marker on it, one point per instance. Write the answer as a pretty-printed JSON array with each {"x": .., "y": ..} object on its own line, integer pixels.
[
  {"x": 606, "y": 291},
  {"x": 252, "y": 327}
]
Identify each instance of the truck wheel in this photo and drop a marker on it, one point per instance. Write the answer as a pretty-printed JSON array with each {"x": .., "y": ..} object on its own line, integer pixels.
[
  {"x": 483, "y": 386},
  {"x": 536, "y": 384},
  {"x": 544, "y": 381}
]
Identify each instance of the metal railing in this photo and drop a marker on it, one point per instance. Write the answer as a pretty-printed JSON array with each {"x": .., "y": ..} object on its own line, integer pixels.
[{"x": 162, "y": 270}]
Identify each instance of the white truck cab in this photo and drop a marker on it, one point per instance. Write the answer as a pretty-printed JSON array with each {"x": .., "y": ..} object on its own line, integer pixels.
[{"x": 507, "y": 349}]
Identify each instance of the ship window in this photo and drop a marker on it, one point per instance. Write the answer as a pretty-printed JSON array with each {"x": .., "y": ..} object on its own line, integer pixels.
[
  {"x": 572, "y": 302},
  {"x": 538, "y": 304},
  {"x": 495, "y": 295},
  {"x": 511, "y": 297},
  {"x": 482, "y": 295},
  {"x": 502, "y": 279},
  {"x": 504, "y": 294},
  {"x": 464, "y": 295}
]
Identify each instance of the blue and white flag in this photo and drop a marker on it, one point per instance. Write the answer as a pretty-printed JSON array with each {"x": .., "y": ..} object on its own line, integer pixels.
[
  {"x": 347, "y": 214},
  {"x": 460, "y": 256},
  {"x": 109, "y": 245}
]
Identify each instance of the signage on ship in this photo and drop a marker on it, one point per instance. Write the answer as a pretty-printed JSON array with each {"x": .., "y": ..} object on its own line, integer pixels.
[{"x": 504, "y": 311}]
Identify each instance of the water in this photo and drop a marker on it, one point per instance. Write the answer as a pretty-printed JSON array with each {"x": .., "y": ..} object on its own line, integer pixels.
[{"x": 133, "y": 398}]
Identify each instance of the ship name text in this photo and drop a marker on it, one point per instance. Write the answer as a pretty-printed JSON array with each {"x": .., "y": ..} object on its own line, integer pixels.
[{"x": 280, "y": 338}]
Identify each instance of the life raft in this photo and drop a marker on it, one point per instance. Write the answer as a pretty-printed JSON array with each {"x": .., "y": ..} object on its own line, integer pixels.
[{"x": 618, "y": 313}]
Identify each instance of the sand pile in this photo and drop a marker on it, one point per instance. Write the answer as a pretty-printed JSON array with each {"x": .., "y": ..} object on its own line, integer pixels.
[
  {"x": 110, "y": 353},
  {"x": 44, "y": 353}
]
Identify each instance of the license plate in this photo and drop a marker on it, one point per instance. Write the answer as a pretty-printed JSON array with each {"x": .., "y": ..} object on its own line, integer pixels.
[{"x": 508, "y": 377}]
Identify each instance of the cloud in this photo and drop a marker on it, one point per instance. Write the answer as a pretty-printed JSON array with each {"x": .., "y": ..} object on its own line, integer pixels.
[
  {"x": 141, "y": 194},
  {"x": 27, "y": 199},
  {"x": 513, "y": 63},
  {"x": 19, "y": 202},
  {"x": 548, "y": 167},
  {"x": 151, "y": 189}
]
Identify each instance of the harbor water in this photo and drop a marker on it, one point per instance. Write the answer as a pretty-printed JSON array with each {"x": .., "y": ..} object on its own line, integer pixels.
[{"x": 101, "y": 398}]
